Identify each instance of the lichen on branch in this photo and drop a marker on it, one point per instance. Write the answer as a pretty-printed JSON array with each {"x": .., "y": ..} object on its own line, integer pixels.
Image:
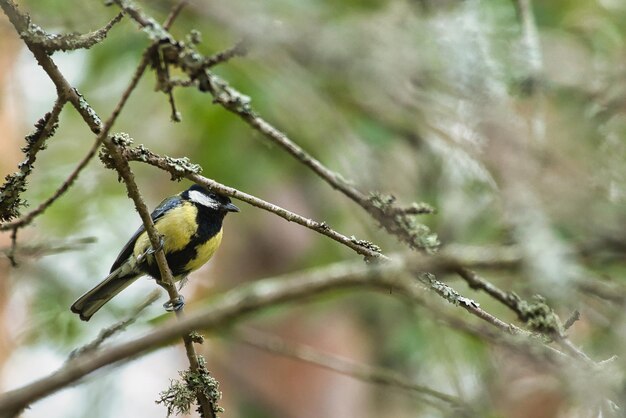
[
  {"x": 182, "y": 393},
  {"x": 177, "y": 167},
  {"x": 15, "y": 183}
]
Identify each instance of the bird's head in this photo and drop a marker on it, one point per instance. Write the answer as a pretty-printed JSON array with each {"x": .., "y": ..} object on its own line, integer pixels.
[{"x": 203, "y": 197}]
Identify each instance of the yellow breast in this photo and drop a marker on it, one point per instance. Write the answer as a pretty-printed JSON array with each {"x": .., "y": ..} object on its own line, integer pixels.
[
  {"x": 177, "y": 228},
  {"x": 205, "y": 252}
]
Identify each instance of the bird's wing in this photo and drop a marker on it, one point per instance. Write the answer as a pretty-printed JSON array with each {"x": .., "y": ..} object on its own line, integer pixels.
[{"x": 160, "y": 210}]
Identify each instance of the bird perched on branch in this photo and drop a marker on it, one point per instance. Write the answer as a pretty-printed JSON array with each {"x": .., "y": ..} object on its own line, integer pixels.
[{"x": 190, "y": 225}]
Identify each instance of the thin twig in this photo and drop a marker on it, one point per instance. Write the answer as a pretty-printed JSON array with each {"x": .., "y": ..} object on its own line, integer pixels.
[
  {"x": 238, "y": 50},
  {"x": 15, "y": 183},
  {"x": 574, "y": 351},
  {"x": 571, "y": 320},
  {"x": 471, "y": 306},
  {"x": 37, "y": 142},
  {"x": 175, "y": 114},
  {"x": 110, "y": 331},
  {"x": 476, "y": 282},
  {"x": 29, "y": 217},
  {"x": 510, "y": 257},
  {"x": 177, "y": 82},
  {"x": 232, "y": 102},
  {"x": 71, "y": 41},
  {"x": 169, "y": 20},
  {"x": 364, "y": 372},
  {"x": 13, "y": 248},
  {"x": 39, "y": 250},
  {"x": 370, "y": 251}
]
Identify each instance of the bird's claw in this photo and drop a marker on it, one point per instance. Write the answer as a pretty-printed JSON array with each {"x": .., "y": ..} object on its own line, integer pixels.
[
  {"x": 151, "y": 250},
  {"x": 174, "y": 305}
]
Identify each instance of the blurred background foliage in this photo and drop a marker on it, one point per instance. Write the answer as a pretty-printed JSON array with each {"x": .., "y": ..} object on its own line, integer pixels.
[{"x": 430, "y": 100}]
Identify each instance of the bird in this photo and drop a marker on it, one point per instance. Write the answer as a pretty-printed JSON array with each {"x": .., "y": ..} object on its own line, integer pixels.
[{"x": 190, "y": 226}]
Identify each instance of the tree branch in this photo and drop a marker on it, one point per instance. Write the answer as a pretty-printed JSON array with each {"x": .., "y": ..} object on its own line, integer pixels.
[
  {"x": 182, "y": 168},
  {"x": 398, "y": 222},
  {"x": 248, "y": 299}
]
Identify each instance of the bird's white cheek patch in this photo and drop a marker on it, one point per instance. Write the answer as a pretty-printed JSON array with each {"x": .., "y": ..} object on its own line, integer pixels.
[{"x": 201, "y": 199}]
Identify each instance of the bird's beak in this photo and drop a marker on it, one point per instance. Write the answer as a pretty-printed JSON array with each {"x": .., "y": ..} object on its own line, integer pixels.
[{"x": 229, "y": 207}]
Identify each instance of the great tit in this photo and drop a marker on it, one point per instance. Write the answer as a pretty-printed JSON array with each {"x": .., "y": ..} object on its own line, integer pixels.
[{"x": 190, "y": 224}]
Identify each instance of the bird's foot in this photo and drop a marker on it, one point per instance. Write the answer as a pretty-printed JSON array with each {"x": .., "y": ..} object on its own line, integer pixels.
[
  {"x": 151, "y": 250},
  {"x": 174, "y": 305}
]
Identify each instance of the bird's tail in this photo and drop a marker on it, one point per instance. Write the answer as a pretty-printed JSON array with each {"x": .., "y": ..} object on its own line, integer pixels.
[{"x": 89, "y": 303}]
